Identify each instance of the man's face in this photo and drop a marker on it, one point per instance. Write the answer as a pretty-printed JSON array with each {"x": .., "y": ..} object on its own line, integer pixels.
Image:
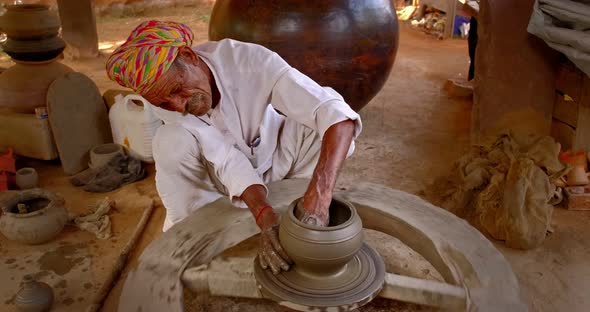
[{"x": 186, "y": 90}]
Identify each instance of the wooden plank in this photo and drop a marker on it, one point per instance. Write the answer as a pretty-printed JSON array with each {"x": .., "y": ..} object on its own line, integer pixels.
[
  {"x": 564, "y": 134},
  {"x": 570, "y": 81},
  {"x": 425, "y": 292},
  {"x": 565, "y": 110},
  {"x": 582, "y": 140}
]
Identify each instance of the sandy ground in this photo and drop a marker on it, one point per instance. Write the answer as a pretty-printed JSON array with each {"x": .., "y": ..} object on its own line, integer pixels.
[{"x": 412, "y": 133}]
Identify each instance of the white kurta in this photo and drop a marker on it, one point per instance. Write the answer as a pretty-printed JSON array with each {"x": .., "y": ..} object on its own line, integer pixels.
[{"x": 243, "y": 141}]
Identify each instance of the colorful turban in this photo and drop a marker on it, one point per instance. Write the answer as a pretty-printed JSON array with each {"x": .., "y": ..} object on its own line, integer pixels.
[{"x": 147, "y": 54}]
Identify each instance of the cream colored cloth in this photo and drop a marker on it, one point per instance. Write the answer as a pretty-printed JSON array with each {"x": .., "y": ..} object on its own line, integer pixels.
[
  {"x": 505, "y": 189},
  {"x": 97, "y": 222}
]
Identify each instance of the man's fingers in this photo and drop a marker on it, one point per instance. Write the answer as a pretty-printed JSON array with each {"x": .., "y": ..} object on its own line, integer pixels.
[
  {"x": 277, "y": 246},
  {"x": 273, "y": 266},
  {"x": 263, "y": 263},
  {"x": 277, "y": 262}
]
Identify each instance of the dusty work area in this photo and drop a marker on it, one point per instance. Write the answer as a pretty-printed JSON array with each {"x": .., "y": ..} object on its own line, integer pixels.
[{"x": 413, "y": 131}]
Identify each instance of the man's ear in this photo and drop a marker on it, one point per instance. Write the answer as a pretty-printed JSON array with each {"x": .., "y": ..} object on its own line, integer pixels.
[{"x": 188, "y": 55}]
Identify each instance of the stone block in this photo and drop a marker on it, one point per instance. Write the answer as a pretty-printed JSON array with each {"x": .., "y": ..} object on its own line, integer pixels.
[{"x": 28, "y": 135}]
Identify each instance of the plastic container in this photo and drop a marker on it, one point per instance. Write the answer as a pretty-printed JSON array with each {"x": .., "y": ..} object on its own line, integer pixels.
[{"x": 134, "y": 126}]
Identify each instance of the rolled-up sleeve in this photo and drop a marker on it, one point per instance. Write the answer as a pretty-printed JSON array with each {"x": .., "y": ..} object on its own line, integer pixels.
[{"x": 302, "y": 99}]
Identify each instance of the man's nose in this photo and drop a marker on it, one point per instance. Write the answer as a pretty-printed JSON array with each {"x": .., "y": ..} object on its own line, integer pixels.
[{"x": 178, "y": 104}]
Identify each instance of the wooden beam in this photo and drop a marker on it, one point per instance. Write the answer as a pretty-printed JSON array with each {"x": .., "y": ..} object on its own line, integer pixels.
[
  {"x": 425, "y": 292},
  {"x": 78, "y": 24}
]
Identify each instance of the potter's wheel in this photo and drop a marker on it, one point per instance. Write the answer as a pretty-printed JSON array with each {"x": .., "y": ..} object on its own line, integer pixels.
[{"x": 359, "y": 282}]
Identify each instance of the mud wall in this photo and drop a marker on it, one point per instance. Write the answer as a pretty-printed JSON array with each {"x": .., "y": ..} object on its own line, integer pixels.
[{"x": 515, "y": 72}]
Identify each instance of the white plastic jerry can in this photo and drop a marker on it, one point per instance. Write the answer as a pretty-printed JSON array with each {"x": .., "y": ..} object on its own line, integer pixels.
[{"x": 134, "y": 126}]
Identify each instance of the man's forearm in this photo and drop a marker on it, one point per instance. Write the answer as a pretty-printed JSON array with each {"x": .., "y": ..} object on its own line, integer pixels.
[
  {"x": 255, "y": 198},
  {"x": 335, "y": 146}
]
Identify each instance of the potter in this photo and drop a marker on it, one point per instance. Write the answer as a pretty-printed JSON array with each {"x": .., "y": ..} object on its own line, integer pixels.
[{"x": 223, "y": 134}]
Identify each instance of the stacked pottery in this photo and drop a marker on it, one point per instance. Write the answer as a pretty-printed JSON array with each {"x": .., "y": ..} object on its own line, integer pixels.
[
  {"x": 32, "y": 32},
  {"x": 34, "y": 45}
]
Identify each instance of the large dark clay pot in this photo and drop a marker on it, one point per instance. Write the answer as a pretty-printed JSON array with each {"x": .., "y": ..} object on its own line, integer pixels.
[{"x": 349, "y": 45}]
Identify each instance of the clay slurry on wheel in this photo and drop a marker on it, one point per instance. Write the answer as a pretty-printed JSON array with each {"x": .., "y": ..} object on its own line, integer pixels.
[{"x": 334, "y": 269}]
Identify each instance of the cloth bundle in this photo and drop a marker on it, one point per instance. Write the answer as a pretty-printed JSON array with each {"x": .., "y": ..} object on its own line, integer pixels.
[
  {"x": 505, "y": 189},
  {"x": 120, "y": 170},
  {"x": 565, "y": 26}
]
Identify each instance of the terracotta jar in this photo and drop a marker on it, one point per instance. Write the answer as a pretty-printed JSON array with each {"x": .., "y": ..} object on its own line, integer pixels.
[
  {"x": 23, "y": 86},
  {"x": 322, "y": 251},
  {"x": 34, "y": 296},
  {"x": 349, "y": 45},
  {"x": 32, "y": 216},
  {"x": 29, "y": 21},
  {"x": 34, "y": 50}
]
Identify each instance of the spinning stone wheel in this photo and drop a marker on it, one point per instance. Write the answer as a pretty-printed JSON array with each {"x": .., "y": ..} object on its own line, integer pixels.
[{"x": 477, "y": 277}]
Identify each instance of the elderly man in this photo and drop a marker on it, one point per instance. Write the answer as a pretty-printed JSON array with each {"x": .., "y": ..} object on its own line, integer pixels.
[{"x": 236, "y": 116}]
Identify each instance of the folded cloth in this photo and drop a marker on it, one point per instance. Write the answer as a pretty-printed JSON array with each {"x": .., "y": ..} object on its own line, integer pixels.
[
  {"x": 97, "y": 222},
  {"x": 119, "y": 171}
]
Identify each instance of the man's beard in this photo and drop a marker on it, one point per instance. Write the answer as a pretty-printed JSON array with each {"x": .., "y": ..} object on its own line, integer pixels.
[{"x": 196, "y": 104}]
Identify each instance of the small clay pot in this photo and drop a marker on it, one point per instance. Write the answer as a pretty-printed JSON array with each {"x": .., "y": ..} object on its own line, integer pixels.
[
  {"x": 29, "y": 21},
  {"x": 34, "y": 296},
  {"x": 32, "y": 216},
  {"x": 100, "y": 155},
  {"x": 27, "y": 178},
  {"x": 322, "y": 251}
]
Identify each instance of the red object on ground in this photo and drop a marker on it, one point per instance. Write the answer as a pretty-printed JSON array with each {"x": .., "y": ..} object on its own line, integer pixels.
[
  {"x": 574, "y": 158},
  {"x": 7, "y": 162}
]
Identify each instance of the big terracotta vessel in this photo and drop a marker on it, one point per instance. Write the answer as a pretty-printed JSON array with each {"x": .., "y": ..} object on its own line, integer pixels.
[{"x": 349, "y": 45}]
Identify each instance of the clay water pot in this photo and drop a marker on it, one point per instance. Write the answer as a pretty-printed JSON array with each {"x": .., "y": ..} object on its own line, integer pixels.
[
  {"x": 27, "y": 178},
  {"x": 37, "y": 50},
  {"x": 34, "y": 296},
  {"x": 45, "y": 217},
  {"x": 349, "y": 45},
  {"x": 29, "y": 21},
  {"x": 322, "y": 252},
  {"x": 23, "y": 86}
]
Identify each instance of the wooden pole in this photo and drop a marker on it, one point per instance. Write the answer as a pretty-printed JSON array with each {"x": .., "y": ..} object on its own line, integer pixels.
[{"x": 78, "y": 24}]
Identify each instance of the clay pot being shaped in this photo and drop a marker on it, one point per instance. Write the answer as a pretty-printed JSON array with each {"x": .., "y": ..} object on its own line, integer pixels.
[
  {"x": 29, "y": 21},
  {"x": 322, "y": 252},
  {"x": 349, "y": 45},
  {"x": 23, "y": 86},
  {"x": 32, "y": 216},
  {"x": 27, "y": 178},
  {"x": 34, "y": 296},
  {"x": 34, "y": 50}
]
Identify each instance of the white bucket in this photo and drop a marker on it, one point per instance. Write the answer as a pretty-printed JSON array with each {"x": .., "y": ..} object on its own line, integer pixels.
[{"x": 134, "y": 126}]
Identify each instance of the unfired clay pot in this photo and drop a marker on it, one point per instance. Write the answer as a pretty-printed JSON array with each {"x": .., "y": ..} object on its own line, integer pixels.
[
  {"x": 45, "y": 218},
  {"x": 23, "y": 86},
  {"x": 27, "y": 178},
  {"x": 34, "y": 296},
  {"x": 100, "y": 155},
  {"x": 29, "y": 21},
  {"x": 316, "y": 250}
]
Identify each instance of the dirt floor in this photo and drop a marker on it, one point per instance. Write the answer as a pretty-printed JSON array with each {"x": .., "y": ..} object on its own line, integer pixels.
[{"x": 413, "y": 131}]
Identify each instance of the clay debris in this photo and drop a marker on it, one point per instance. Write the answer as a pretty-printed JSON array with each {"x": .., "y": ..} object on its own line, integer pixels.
[{"x": 505, "y": 188}]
